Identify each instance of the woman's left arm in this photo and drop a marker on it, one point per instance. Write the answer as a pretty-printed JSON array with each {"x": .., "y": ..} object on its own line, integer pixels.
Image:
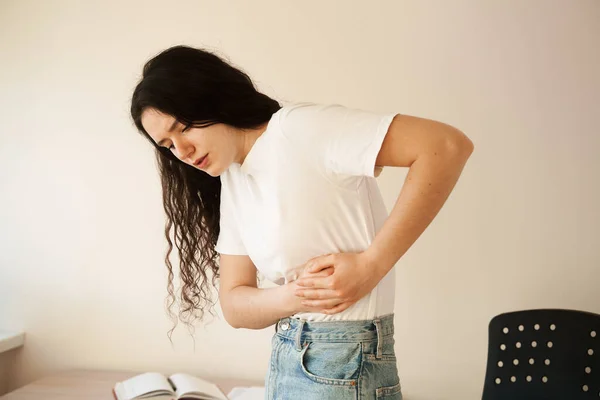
[{"x": 436, "y": 154}]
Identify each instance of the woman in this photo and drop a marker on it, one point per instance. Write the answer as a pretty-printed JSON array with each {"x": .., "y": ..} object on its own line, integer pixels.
[{"x": 290, "y": 192}]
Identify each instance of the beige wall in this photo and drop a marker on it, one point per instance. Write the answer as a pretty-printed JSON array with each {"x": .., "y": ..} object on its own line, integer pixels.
[{"x": 81, "y": 218}]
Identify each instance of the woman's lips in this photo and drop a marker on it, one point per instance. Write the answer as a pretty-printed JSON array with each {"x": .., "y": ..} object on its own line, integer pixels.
[{"x": 202, "y": 162}]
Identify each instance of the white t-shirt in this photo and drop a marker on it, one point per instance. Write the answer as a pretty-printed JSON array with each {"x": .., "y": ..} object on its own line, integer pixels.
[{"x": 307, "y": 188}]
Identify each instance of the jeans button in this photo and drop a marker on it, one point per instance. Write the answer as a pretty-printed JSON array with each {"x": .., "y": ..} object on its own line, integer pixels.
[{"x": 285, "y": 325}]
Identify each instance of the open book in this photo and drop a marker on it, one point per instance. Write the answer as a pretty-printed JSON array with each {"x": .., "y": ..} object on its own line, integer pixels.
[{"x": 156, "y": 386}]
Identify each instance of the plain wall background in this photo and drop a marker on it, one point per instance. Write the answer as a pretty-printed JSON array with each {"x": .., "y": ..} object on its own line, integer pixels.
[{"x": 81, "y": 219}]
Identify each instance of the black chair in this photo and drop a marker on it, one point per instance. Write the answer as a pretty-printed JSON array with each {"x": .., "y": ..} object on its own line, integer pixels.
[{"x": 543, "y": 355}]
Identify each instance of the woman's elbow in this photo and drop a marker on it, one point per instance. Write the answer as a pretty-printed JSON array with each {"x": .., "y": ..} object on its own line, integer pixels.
[
  {"x": 233, "y": 322},
  {"x": 459, "y": 144},
  {"x": 228, "y": 312}
]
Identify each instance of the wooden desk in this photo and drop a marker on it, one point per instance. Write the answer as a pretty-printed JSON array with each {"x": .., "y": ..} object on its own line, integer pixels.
[
  {"x": 11, "y": 340},
  {"x": 92, "y": 385},
  {"x": 10, "y": 343}
]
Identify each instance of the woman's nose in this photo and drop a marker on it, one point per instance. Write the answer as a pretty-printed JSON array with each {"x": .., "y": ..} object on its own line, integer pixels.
[{"x": 185, "y": 151}]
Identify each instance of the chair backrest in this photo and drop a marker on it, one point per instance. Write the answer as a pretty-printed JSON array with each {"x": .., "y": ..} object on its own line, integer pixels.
[{"x": 543, "y": 355}]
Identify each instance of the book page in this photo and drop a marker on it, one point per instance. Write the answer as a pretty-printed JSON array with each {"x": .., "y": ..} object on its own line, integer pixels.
[
  {"x": 247, "y": 393},
  {"x": 143, "y": 386},
  {"x": 186, "y": 384}
]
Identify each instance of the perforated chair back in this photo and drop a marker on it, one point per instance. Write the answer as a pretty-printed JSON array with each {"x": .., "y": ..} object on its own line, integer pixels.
[{"x": 543, "y": 355}]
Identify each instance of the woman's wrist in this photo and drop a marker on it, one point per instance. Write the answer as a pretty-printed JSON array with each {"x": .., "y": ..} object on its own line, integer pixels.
[
  {"x": 290, "y": 303},
  {"x": 376, "y": 263}
]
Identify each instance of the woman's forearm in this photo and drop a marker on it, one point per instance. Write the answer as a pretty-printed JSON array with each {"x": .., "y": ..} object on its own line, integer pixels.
[
  {"x": 428, "y": 184},
  {"x": 255, "y": 308}
]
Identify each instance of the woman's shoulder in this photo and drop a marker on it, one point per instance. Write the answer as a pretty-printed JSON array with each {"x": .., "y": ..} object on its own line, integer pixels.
[
  {"x": 304, "y": 107},
  {"x": 300, "y": 120}
]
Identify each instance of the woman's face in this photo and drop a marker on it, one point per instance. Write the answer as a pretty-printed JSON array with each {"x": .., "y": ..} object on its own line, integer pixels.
[{"x": 211, "y": 149}]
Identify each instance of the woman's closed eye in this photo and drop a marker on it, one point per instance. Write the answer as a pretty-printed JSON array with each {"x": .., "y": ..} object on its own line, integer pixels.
[{"x": 186, "y": 127}]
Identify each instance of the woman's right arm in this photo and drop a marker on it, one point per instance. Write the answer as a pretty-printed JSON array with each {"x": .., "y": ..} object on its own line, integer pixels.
[{"x": 244, "y": 305}]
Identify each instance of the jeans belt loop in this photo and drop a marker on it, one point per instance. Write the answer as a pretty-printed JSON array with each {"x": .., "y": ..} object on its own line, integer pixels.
[{"x": 377, "y": 323}]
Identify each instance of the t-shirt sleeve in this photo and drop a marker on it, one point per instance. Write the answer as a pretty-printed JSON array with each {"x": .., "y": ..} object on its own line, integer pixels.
[
  {"x": 229, "y": 240},
  {"x": 342, "y": 140}
]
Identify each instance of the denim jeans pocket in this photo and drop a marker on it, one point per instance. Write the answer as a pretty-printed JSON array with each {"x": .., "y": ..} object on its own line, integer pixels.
[
  {"x": 384, "y": 374},
  {"x": 384, "y": 358},
  {"x": 332, "y": 363},
  {"x": 393, "y": 392}
]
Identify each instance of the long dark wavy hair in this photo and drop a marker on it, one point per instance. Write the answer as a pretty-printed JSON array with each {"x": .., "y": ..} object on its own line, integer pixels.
[{"x": 199, "y": 88}]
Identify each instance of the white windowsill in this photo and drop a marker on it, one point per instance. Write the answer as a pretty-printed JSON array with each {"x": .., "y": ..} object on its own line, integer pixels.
[{"x": 11, "y": 340}]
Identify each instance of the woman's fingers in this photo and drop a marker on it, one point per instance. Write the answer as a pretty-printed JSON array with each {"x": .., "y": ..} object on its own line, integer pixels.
[
  {"x": 321, "y": 274},
  {"x": 336, "y": 309},
  {"x": 320, "y": 305},
  {"x": 317, "y": 294},
  {"x": 326, "y": 303}
]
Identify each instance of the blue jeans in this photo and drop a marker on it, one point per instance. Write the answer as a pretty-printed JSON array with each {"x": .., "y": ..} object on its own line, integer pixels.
[{"x": 331, "y": 360}]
